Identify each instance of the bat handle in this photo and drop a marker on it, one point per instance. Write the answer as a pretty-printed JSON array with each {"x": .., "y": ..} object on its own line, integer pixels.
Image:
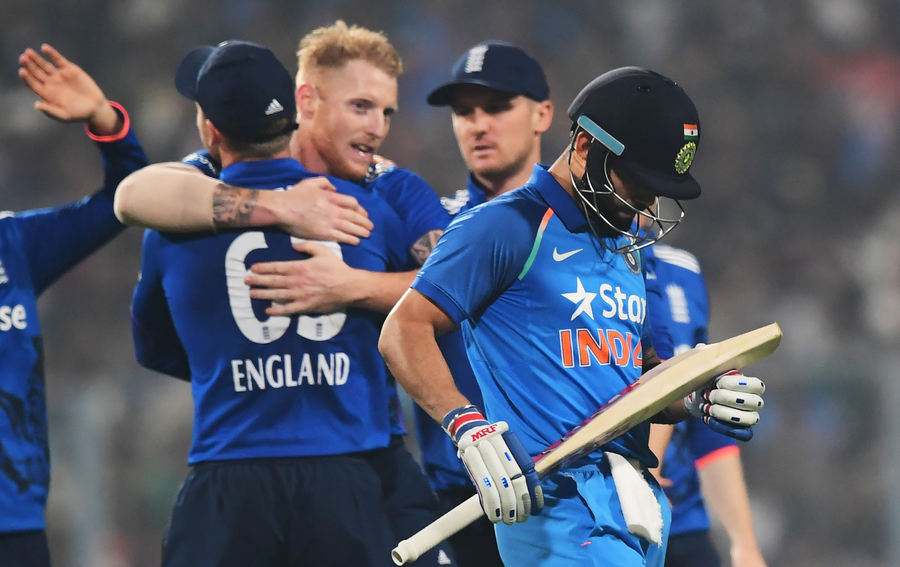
[{"x": 456, "y": 519}]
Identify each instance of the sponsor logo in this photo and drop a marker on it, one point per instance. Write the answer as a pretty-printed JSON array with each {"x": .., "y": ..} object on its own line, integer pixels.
[
  {"x": 274, "y": 107},
  {"x": 560, "y": 257},
  {"x": 484, "y": 432},
  {"x": 12, "y": 317},
  {"x": 619, "y": 305},
  {"x": 475, "y": 60}
]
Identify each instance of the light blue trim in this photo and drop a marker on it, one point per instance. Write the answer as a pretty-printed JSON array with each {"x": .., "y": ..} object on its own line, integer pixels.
[{"x": 615, "y": 146}]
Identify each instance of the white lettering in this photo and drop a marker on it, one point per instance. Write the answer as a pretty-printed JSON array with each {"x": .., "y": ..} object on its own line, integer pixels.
[
  {"x": 306, "y": 371},
  {"x": 609, "y": 312},
  {"x": 619, "y": 300},
  {"x": 256, "y": 374},
  {"x": 326, "y": 368},
  {"x": 634, "y": 308},
  {"x": 287, "y": 372},
  {"x": 18, "y": 317},
  {"x": 643, "y": 310},
  {"x": 5, "y": 322},
  {"x": 342, "y": 369},
  {"x": 236, "y": 374},
  {"x": 276, "y": 379}
]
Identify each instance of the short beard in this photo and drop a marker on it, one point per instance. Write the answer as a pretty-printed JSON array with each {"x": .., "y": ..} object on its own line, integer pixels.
[
  {"x": 606, "y": 208},
  {"x": 337, "y": 166},
  {"x": 503, "y": 172}
]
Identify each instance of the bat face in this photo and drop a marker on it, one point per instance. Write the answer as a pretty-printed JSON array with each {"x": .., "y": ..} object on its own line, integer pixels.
[{"x": 656, "y": 390}]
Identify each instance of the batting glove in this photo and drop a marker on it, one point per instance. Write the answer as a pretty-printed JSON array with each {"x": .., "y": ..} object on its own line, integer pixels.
[
  {"x": 729, "y": 404},
  {"x": 497, "y": 463}
]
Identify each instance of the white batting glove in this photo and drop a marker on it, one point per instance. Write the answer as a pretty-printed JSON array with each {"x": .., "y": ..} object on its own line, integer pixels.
[
  {"x": 498, "y": 464},
  {"x": 729, "y": 404}
]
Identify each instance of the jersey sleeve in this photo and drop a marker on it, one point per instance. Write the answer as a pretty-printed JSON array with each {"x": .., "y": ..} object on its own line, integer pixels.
[
  {"x": 415, "y": 201},
  {"x": 56, "y": 239},
  {"x": 656, "y": 325},
  {"x": 481, "y": 254},
  {"x": 156, "y": 342},
  {"x": 706, "y": 445}
]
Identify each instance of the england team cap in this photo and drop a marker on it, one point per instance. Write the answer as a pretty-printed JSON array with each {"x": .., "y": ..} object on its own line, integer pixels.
[
  {"x": 649, "y": 122},
  {"x": 498, "y": 65},
  {"x": 240, "y": 86}
]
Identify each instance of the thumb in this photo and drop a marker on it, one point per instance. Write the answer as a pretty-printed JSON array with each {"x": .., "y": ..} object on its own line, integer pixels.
[{"x": 323, "y": 183}]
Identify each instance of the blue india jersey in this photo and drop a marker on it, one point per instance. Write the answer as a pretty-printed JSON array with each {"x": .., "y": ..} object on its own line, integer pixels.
[
  {"x": 36, "y": 248},
  {"x": 683, "y": 306},
  {"x": 265, "y": 386},
  {"x": 552, "y": 320}
]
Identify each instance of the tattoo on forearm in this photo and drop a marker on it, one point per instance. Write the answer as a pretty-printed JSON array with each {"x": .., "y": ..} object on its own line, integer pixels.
[
  {"x": 233, "y": 206},
  {"x": 421, "y": 250}
]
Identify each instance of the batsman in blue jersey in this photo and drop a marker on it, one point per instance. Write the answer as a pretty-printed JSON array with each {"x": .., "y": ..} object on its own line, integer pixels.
[
  {"x": 692, "y": 454},
  {"x": 545, "y": 283},
  {"x": 37, "y": 248},
  {"x": 286, "y": 408}
]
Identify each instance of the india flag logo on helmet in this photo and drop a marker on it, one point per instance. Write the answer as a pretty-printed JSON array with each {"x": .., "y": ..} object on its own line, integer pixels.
[{"x": 690, "y": 132}]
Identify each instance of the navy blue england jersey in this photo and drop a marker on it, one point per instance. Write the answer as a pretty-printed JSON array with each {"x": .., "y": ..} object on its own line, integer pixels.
[
  {"x": 265, "y": 386},
  {"x": 683, "y": 307},
  {"x": 421, "y": 212},
  {"x": 36, "y": 248},
  {"x": 465, "y": 199},
  {"x": 553, "y": 321}
]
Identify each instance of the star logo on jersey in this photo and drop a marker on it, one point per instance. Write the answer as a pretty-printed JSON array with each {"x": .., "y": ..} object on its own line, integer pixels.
[{"x": 583, "y": 298}]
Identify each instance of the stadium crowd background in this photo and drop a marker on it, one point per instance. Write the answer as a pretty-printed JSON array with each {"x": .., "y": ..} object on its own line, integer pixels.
[{"x": 799, "y": 223}]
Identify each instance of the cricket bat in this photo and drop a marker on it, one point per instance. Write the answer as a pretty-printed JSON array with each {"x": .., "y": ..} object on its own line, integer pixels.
[{"x": 641, "y": 400}]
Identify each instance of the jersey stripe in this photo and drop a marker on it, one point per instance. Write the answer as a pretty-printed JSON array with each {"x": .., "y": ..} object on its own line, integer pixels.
[
  {"x": 537, "y": 242},
  {"x": 721, "y": 453}
]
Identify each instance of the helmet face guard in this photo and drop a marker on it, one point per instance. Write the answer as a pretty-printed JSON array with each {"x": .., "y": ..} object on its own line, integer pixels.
[{"x": 595, "y": 184}]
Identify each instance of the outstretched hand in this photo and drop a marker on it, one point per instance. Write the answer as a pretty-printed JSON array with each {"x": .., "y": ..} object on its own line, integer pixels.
[{"x": 67, "y": 92}]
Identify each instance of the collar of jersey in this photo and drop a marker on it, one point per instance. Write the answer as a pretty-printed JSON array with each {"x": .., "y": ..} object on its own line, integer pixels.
[
  {"x": 561, "y": 202},
  {"x": 275, "y": 170},
  {"x": 476, "y": 193}
]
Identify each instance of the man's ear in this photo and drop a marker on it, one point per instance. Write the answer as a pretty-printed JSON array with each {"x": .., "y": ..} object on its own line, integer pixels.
[
  {"x": 543, "y": 116},
  {"x": 307, "y": 98}
]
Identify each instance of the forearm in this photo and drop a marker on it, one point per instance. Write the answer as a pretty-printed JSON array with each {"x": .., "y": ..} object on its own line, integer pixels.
[
  {"x": 173, "y": 197},
  {"x": 723, "y": 485},
  {"x": 413, "y": 356},
  {"x": 377, "y": 291},
  {"x": 660, "y": 435}
]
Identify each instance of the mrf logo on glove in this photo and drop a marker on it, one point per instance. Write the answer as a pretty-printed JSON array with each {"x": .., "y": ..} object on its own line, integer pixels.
[{"x": 502, "y": 471}]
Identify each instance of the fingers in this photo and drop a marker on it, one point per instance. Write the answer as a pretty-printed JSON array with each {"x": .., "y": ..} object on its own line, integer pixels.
[
  {"x": 491, "y": 453},
  {"x": 343, "y": 238},
  {"x": 490, "y": 497},
  {"x": 54, "y": 55},
  {"x": 733, "y": 417},
  {"x": 739, "y": 433},
  {"x": 739, "y": 383},
  {"x": 38, "y": 63},
  {"x": 311, "y": 248},
  {"x": 736, "y": 400},
  {"x": 273, "y": 268}
]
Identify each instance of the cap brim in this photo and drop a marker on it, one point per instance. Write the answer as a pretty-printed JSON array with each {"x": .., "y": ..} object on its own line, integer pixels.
[
  {"x": 189, "y": 68},
  {"x": 674, "y": 186},
  {"x": 443, "y": 95}
]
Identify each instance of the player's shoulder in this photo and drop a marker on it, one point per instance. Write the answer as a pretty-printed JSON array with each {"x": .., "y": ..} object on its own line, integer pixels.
[
  {"x": 511, "y": 216},
  {"x": 382, "y": 174},
  {"x": 204, "y": 162},
  {"x": 677, "y": 257}
]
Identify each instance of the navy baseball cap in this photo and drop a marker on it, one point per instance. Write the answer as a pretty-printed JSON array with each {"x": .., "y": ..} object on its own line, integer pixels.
[
  {"x": 649, "y": 122},
  {"x": 498, "y": 65},
  {"x": 240, "y": 86}
]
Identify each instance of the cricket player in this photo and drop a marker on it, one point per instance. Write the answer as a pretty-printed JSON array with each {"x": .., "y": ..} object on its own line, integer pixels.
[
  {"x": 690, "y": 453},
  {"x": 244, "y": 364},
  {"x": 346, "y": 94},
  {"x": 520, "y": 275},
  {"x": 37, "y": 248},
  {"x": 500, "y": 103}
]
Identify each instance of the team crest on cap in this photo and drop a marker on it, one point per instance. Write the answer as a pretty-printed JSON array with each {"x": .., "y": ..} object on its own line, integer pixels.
[
  {"x": 475, "y": 60},
  {"x": 685, "y": 157}
]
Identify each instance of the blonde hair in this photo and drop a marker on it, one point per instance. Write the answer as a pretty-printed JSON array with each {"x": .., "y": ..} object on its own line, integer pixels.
[{"x": 332, "y": 46}]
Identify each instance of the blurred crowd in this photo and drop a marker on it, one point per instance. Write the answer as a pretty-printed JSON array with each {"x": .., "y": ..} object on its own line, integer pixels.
[{"x": 798, "y": 223}]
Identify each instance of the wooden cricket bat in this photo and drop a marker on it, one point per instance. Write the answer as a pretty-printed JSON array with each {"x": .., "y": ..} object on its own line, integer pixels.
[{"x": 641, "y": 400}]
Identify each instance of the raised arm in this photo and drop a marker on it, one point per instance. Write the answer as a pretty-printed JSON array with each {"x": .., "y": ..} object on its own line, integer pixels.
[{"x": 174, "y": 197}]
